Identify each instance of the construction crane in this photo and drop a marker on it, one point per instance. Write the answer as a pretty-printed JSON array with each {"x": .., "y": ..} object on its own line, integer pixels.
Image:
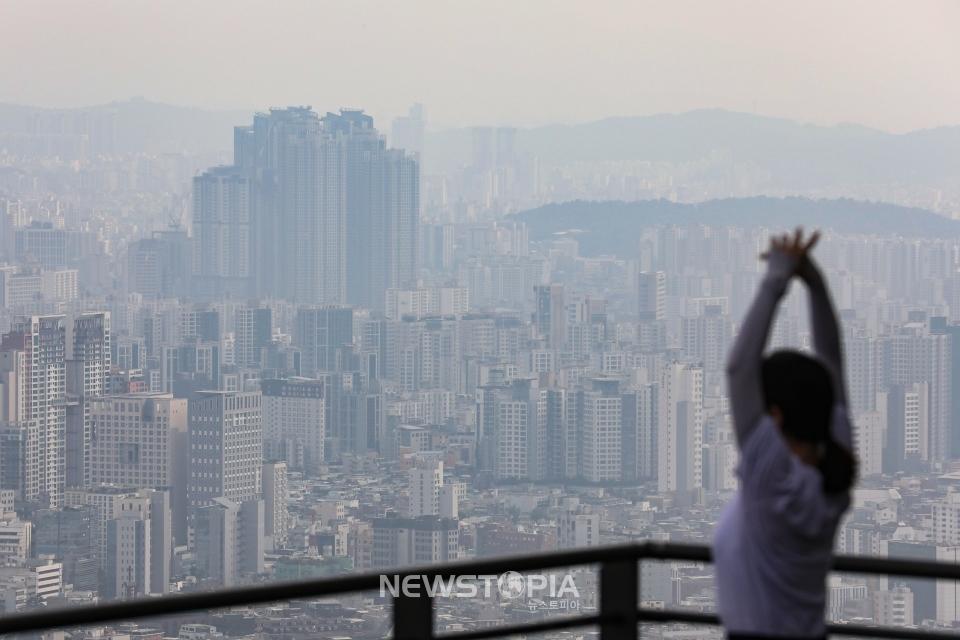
[{"x": 176, "y": 221}]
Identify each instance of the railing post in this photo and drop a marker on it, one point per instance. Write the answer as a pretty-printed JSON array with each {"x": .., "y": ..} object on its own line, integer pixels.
[
  {"x": 412, "y": 617},
  {"x": 618, "y": 597}
]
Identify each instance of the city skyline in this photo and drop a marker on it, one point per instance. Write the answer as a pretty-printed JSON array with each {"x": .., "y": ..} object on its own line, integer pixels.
[{"x": 387, "y": 314}]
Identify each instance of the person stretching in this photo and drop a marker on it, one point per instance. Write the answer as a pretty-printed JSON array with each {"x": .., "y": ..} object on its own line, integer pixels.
[{"x": 773, "y": 543}]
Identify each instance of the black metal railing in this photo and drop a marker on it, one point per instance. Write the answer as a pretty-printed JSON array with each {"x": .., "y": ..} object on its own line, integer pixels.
[{"x": 618, "y": 614}]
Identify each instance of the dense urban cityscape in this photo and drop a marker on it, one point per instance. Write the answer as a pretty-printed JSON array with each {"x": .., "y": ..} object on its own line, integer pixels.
[{"x": 316, "y": 361}]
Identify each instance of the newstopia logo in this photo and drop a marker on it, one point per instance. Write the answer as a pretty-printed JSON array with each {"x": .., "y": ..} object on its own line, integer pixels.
[{"x": 511, "y": 585}]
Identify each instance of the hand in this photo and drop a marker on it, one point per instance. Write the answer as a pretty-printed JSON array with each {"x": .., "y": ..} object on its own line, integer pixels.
[{"x": 794, "y": 246}]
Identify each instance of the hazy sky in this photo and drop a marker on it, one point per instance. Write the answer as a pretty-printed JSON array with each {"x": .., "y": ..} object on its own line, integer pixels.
[{"x": 894, "y": 65}]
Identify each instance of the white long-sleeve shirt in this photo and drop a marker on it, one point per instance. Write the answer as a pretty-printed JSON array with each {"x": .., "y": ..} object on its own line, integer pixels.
[{"x": 774, "y": 541}]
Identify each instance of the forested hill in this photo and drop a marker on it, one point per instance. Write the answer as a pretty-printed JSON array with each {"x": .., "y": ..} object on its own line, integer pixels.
[{"x": 612, "y": 227}]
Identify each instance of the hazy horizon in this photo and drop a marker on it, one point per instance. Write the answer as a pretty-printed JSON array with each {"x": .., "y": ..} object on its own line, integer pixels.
[
  {"x": 538, "y": 63},
  {"x": 383, "y": 121}
]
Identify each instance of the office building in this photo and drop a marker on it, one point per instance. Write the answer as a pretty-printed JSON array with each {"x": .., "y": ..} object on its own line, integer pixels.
[
  {"x": 358, "y": 425},
  {"x": 424, "y": 540},
  {"x": 133, "y": 439},
  {"x": 294, "y": 410},
  {"x": 226, "y": 448},
  {"x": 41, "y": 243},
  {"x": 140, "y": 441},
  {"x": 131, "y": 537},
  {"x": 229, "y": 541},
  {"x": 66, "y": 534},
  {"x": 320, "y": 334},
  {"x": 253, "y": 331}
]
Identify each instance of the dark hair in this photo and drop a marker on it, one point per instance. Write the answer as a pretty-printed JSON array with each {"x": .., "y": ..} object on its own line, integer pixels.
[{"x": 802, "y": 388}]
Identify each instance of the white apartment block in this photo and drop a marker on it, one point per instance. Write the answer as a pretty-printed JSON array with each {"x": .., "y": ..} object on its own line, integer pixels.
[
  {"x": 948, "y": 594},
  {"x": 838, "y": 593},
  {"x": 330, "y": 510},
  {"x": 602, "y": 436},
  {"x": 541, "y": 360},
  {"x": 577, "y": 525},
  {"x": 513, "y": 447},
  {"x": 128, "y": 561},
  {"x": 275, "y": 495},
  {"x": 914, "y": 356},
  {"x": 441, "y": 300},
  {"x": 107, "y": 503},
  {"x": 32, "y": 363},
  {"x": 861, "y": 359},
  {"x": 946, "y": 519},
  {"x": 451, "y": 495},
  {"x": 680, "y": 432},
  {"x": 720, "y": 466},
  {"x": 425, "y": 483},
  {"x": 916, "y": 428},
  {"x": 520, "y": 447},
  {"x": 894, "y": 607},
  {"x": 23, "y": 288},
  {"x": 868, "y": 432},
  {"x": 15, "y": 538}
]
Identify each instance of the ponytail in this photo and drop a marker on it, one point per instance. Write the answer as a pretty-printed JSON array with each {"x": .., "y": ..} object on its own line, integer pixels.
[{"x": 838, "y": 468}]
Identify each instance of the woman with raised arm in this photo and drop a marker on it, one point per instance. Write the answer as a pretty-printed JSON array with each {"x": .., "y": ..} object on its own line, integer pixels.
[{"x": 773, "y": 544}]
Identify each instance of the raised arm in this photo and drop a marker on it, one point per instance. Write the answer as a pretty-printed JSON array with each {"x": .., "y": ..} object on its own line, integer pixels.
[
  {"x": 746, "y": 357},
  {"x": 826, "y": 329}
]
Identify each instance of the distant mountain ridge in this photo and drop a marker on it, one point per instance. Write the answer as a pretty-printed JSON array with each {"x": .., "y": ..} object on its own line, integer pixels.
[
  {"x": 796, "y": 155},
  {"x": 613, "y": 227},
  {"x": 152, "y": 127}
]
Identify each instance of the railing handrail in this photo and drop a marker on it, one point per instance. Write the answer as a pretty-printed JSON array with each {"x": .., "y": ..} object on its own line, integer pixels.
[{"x": 75, "y": 616}]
